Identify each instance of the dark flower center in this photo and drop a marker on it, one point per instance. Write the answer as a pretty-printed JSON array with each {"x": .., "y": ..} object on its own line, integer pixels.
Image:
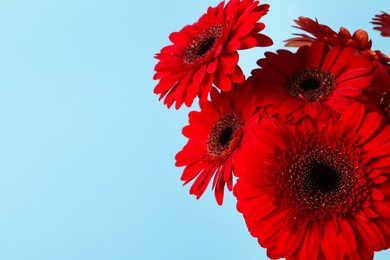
[
  {"x": 323, "y": 178},
  {"x": 311, "y": 84},
  {"x": 385, "y": 104},
  {"x": 203, "y": 46},
  {"x": 225, "y": 136}
]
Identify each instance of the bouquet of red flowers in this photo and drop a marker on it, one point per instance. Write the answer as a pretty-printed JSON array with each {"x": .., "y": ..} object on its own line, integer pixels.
[{"x": 303, "y": 142}]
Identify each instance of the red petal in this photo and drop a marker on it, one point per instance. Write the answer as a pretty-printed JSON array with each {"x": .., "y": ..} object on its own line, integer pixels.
[
  {"x": 347, "y": 92},
  {"x": 377, "y": 194},
  {"x": 382, "y": 208},
  {"x": 315, "y": 54},
  {"x": 313, "y": 109},
  {"x": 232, "y": 45},
  {"x": 346, "y": 237},
  {"x": 290, "y": 240},
  {"x": 223, "y": 82},
  {"x": 212, "y": 66},
  {"x": 352, "y": 117}
]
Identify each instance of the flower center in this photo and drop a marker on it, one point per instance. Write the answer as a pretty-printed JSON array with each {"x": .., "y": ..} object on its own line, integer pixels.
[
  {"x": 225, "y": 136},
  {"x": 322, "y": 178},
  {"x": 203, "y": 46},
  {"x": 311, "y": 84},
  {"x": 385, "y": 104}
]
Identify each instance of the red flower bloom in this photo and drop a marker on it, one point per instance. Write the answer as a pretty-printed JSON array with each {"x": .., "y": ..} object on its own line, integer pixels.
[
  {"x": 214, "y": 134},
  {"x": 322, "y": 32},
  {"x": 319, "y": 31},
  {"x": 317, "y": 81},
  {"x": 317, "y": 191},
  {"x": 383, "y": 23},
  {"x": 206, "y": 52},
  {"x": 359, "y": 39}
]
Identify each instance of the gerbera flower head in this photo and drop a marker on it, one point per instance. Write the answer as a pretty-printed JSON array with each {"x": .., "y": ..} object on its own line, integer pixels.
[
  {"x": 205, "y": 53},
  {"x": 317, "y": 191},
  {"x": 317, "y": 81},
  {"x": 319, "y": 31},
  {"x": 359, "y": 39},
  {"x": 214, "y": 134},
  {"x": 382, "y": 22}
]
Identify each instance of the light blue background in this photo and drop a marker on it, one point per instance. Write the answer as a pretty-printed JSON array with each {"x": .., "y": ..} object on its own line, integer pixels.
[{"x": 86, "y": 150}]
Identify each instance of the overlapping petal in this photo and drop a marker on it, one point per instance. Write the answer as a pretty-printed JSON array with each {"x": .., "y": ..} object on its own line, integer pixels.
[
  {"x": 382, "y": 23},
  {"x": 205, "y": 53},
  {"x": 214, "y": 134},
  {"x": 317, "y": 81},
  {"x": 358, "y": 40},
  {"x": 321, "y": 193}
]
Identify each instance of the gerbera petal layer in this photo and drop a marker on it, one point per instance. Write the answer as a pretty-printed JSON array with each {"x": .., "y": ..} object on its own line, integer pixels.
[
  {"x": 205, "y": 53},
  {"x": 327, "y": 183},
  {"x": 317, "y": 81},
  {"x": 214, "y": 134},
  {"x": 359, "y": 40}
]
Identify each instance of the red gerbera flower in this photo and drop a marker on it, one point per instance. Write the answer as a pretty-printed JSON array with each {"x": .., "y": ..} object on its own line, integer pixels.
[
  {"x": 383, "y": 23},
  {"x": 214, "y": 134},
  {"x": 317, "y": 81},
  {"x": 319, "y": 31},
  {"x": 323, "y": 32},
  {"x": 317, "y": 191},
  {"x": 206, "y": 52},
  {"x": 359, "y": 39}
]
